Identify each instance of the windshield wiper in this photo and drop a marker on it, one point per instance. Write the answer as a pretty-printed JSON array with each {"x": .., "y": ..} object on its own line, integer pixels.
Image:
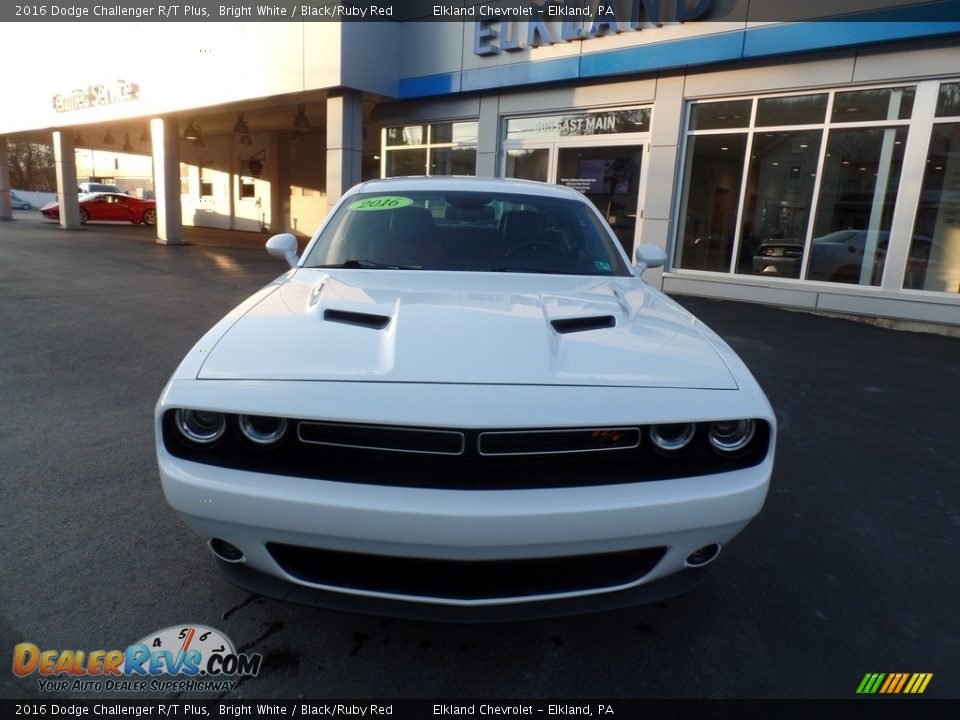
[
  {"x": 367, "y": 264},
  {"x": 519, "y": 269}
]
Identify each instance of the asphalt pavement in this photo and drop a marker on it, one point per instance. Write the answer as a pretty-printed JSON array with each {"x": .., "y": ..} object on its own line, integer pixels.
[{"x": 850, "y": 568}]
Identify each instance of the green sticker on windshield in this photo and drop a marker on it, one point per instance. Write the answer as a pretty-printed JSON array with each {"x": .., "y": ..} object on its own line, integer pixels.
[{"x": 384, "y": 202}]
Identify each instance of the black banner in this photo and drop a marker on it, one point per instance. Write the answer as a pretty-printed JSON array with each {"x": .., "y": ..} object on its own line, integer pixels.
[
  {"x": 881, "y": 709},
  {"x": 613, "y": 15}
]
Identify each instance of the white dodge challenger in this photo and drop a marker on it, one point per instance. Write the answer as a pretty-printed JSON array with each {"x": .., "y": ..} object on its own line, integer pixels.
[{"x": 463, "y": 403}]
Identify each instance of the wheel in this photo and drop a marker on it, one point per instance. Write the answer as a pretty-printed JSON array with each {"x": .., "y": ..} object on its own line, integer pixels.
[
  {"x": 150, "y": 217},
  {"x": 84, "y": 216}
]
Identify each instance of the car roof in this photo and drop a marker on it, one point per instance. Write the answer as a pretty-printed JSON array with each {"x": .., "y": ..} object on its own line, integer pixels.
[{"x": 468, "y": 184}]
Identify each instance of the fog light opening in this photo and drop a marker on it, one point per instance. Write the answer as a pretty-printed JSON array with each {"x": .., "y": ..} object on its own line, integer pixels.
[
  {"x": 225, "y": 551},
  {"x": 704, "y": 556}
]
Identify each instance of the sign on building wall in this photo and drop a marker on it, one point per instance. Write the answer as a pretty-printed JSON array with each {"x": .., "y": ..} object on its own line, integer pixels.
[
  {"x": 579, "y": 124},
  {"x": 111, "y": 93}
]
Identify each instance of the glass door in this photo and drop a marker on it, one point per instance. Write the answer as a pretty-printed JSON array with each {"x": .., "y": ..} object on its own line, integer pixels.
[{"x": 610, "y": 176}]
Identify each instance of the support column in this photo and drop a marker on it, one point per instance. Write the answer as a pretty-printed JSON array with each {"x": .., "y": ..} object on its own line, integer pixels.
[
  {"x": 6, "y": 209},
  {"x": 344, "y": 143},
  {"x": 488, "y": 140},
  {"x": 66, "y": 165},
  {"x": 165, "y": 134}
]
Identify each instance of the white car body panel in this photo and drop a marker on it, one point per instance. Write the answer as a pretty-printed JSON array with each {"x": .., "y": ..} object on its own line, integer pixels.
[{"x": 476, "y": 327}]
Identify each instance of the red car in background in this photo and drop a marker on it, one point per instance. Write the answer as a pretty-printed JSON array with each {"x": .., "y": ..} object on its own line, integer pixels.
[{"x": 109, "y": 206}]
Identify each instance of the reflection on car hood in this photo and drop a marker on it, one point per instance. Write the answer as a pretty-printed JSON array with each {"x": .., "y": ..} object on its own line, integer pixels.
[{"x": 409, "y": 326}]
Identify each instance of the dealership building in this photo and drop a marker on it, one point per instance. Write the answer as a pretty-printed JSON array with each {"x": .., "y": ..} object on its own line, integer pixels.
[{"x": 804, "y": 164}]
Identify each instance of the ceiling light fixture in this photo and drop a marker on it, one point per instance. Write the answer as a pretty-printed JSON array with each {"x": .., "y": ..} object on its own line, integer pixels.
[
  {"x": 191, "y": 133},
  {"x": 108, "y": 139},
  {"x": 300, "y": 122},
  {"x": 240, "y": 127},
  {"x": 127, "y": 147}
]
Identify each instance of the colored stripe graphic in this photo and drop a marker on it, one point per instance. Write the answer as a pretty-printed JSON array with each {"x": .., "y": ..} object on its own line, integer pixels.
[{"x": 894, "y": 683}]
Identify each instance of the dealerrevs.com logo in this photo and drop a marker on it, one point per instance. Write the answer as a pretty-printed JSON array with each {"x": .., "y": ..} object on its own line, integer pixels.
[{"x": 175, "y": 659}]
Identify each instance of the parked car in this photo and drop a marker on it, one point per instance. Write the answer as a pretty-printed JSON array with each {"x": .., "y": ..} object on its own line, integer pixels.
[
  {"x": 837, "y": 257},
  {"x": 18, "y": 203},
  {"x": 463, "y": 402},
  {"x": 109, "y": 206}
]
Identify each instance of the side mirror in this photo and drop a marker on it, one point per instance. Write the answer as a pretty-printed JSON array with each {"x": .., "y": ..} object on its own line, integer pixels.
[
  {"x": 648, "y": 256},
  {"x": 284, "y": 247}
]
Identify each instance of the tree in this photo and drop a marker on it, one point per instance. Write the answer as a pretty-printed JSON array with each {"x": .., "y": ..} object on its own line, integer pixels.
[{"x": 32, "y": 167}]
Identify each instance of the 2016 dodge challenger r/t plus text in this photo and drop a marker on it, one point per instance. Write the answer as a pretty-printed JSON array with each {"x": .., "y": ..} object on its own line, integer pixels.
[{"x": 463, "y": 403}]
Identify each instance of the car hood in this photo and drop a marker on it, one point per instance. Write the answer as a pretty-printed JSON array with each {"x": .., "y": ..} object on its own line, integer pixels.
[{"x": 478, "y": 328}]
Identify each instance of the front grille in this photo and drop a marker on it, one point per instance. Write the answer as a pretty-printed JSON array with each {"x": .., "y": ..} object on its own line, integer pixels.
[
  {"x": 491, "y": 459},
  {"x": 543, "y": 442},
  {"x": 464, "y": 579},
  {"x": 374, "y": 437}
]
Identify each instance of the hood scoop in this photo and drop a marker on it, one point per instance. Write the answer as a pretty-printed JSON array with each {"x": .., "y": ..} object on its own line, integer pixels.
[
  {"x": 347, "y": 317},
  {"x": 583, "y": 324}
]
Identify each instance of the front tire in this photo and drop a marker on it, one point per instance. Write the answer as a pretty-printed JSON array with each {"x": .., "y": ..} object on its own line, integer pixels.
[
  {"x": 84, "y": 216},
  {"x": 150, "y": 217}
]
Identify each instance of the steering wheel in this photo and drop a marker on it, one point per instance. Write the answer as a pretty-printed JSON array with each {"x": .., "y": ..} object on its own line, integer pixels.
[{"x": 548, "y": 246}]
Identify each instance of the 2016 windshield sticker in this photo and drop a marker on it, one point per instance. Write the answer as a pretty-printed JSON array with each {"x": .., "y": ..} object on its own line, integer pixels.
[{"x": 385, "y": 202}]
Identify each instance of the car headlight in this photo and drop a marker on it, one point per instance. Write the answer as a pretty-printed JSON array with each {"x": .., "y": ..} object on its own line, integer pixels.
[
  {"x": 731, "y": 436},
  {"x": 672, "y": 437},
  {"x": 262, "y": 430},
  {"x": 201, "y": 427}
]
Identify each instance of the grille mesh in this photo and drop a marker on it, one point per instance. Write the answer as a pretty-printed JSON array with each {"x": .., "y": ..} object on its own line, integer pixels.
[{"x": 464, "y": 580}]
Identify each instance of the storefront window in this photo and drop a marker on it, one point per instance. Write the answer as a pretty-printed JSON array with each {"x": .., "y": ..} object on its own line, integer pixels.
[
  {"x": 861, "y": 174},
  {"x": 934, "y": 260},
  {"x": 710, "y": 199},
  {"x": 794, "y": 110},
  {"x": 408, "y": 135},
  {"x": 779, "y": 195},
  {"x": 720, "y": 115},
  {"x": 453, "y": 161},
  {"x": 412, "y": 161},
  {"x": 532, "y": 164},
  {"x": 948, "y": 101},
  {"x": 448, "y": 148},
  {"x": 867, "y": 105},
  {"x": 819, "y": 195}
]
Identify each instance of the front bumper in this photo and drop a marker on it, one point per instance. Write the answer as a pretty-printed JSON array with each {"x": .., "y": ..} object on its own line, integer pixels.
[
  {"x": 256, "y": 513},
  {"x": 453, "y": 531}
]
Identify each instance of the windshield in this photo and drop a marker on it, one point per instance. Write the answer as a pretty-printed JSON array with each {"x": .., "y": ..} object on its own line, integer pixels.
[{"x": 467, "y": 231}]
